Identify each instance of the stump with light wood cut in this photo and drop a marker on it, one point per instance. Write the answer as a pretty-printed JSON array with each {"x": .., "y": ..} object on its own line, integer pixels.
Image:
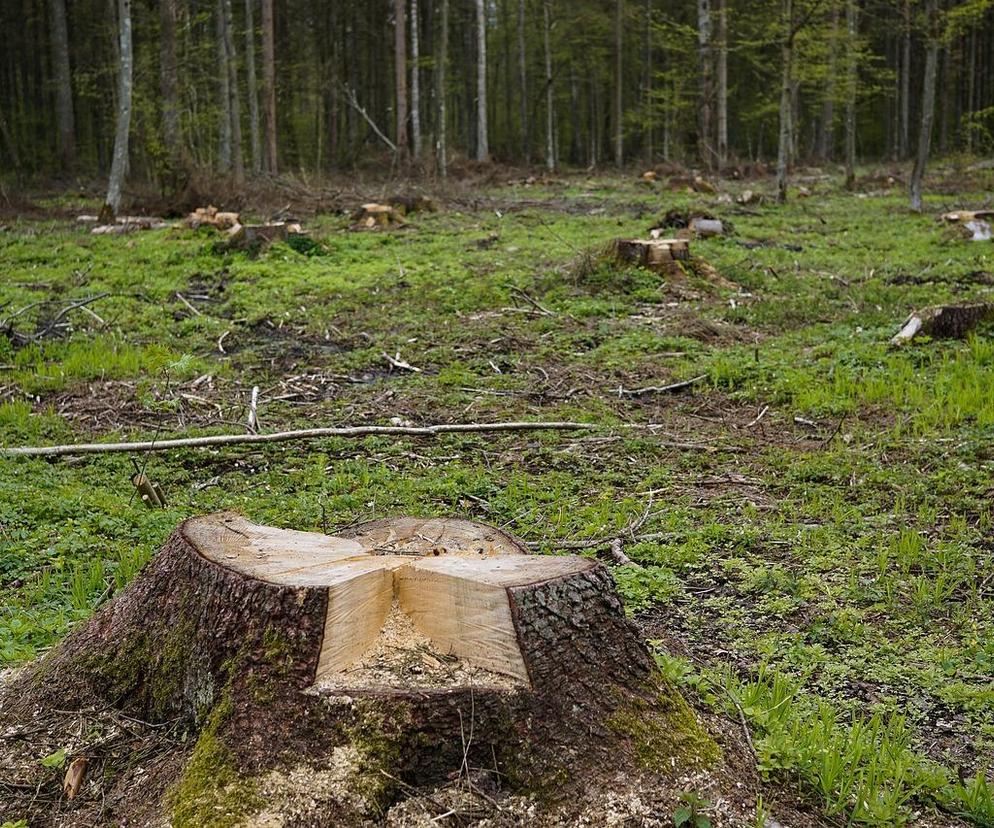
[
  {"x": 652, "y": 254},
  {"x": 402, "y": 652}
]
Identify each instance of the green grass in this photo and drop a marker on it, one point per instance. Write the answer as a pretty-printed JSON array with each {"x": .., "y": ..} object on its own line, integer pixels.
[{"x": 833, "y": 575}]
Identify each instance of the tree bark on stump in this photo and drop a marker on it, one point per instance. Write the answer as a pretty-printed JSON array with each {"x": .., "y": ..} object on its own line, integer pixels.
[{"x": 259, "y": 640}]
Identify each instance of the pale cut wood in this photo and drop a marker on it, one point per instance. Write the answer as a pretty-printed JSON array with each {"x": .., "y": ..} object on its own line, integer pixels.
[
  {"x": 451, "y": 577},
  {"x": 652, "y": 254}
]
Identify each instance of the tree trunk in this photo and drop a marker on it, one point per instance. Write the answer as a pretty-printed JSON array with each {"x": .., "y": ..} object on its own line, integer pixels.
[
  {"x": 905, "y": 135},
  {"x": 786, "y": 89},
  {"x": 649, "y": 69},
  {"x": 526, "y": 150},
  {"x": 169, "y": 82},
  {"x": 119, "y": 165},
  {"x": 443, "y": 60},
  {"x": 252, "y": 88},
  {"x": 234, "y": 107},
  {"x": 223, "y": 91},
  {"x": 65, "y": 124},
  {"x": 550, "y": 138},
  {"x": 852, "y": 73},
  {"x": 269, "y": 87},
  {"x": 704, "y": 144},
  {"x": 619, "y": 126},
  {"x": 422, "y": 646},
  {"x": 8, "y": 140},
  {"x": 722, "y": 82},
  {"x": 927, "y": 104},
  {"x": 400, "y": 76},
  {"x": 482, "y": 138},
  {"x": 415, "y": 81},
  {"x": 826, "y": 126}
]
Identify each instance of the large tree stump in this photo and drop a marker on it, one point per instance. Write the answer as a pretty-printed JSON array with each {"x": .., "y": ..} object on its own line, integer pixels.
[{"x": 402, "y": 653}]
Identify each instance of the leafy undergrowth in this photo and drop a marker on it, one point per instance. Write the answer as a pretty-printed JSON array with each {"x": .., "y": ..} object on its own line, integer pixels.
[{"x": 811, "y": 522}]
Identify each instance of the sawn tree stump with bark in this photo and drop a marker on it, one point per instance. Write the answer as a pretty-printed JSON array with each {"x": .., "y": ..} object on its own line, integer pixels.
[{"x": 404, "y": 652}]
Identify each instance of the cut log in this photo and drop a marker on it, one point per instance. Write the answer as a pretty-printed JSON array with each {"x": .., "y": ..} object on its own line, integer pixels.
[
  {"x": 210, "y": 216},
  {"x": 944, "y": 321},
  {"x": 422, "y": 647},
  {"x": 967, "y": 215},
  {"x": 244, "y": 236},
  {"x": 652, "y": 254},
  {"x": 372, "y": 216}
]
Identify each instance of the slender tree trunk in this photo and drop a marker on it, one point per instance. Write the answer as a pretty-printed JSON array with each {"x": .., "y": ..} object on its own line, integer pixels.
[
  {"x": 169, "y": 81},
  {"x": 826, "y": 126},
  {"x": 852, "y": 73},
  {"x": 269, "y": 87},
  {"x": 928, "y": 105},
  {"x": 119, "y": 165},
  {"x": 722, "y": 82},
  {"x": 526, "y": 149},
  {"x": 400, "y": 76},
  {"x": 649, "y": 108},
  {"x": 63, "y": 85},
  {"x": 971, "y": 91},
  {"x": 234, "y": 105},
  {"x": 253, "y": 90},
  {"x": 619, "y": 127},
  {"x": 705, "y": 147},
  {"x": 945, "y": 99},
  {"x": 482, "y": 138},
  {"x": 415, "y": 81},
  {"x": 223, "y": 92},
  {"x": 8, "y": 139},
  {"x": 443, "y": 60},
  {"x": 905, "y": 135},
  {"x": 550, "y": 140},
  {"x": 786, "y": 90}
]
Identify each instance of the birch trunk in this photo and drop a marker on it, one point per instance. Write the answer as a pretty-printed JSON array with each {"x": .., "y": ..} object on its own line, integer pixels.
[
  {"x": 482, "y": 140},
  {"x": 253, "y": 89},
  {"x": 63, "y": 86},
  {"x": 443, "y": 59},
  {"x": 415, "y": 81},
  {"x": 269, "y": 86},
  {"x": 928, "y": 106},
  {"x": 119, "y": 165}
]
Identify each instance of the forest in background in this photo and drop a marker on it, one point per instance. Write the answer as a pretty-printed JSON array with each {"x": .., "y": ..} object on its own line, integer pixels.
[{"x": 237, "y": 87}]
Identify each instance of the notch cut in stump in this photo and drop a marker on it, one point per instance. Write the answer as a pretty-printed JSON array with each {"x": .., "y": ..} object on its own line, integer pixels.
[
  {"x": 372, "y": 216},
  {"x": 405, "y": 649}
]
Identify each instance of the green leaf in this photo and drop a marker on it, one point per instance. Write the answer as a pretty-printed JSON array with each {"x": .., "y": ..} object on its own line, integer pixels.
[
  {"x": 55, "y": 760},
  {"x": 682, "y": 815}
]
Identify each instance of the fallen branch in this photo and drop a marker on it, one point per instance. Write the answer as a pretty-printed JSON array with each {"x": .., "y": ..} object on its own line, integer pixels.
[
  {"x": 287, "y": 436},
  {"x": 661, "y": 389},
  {"x": 618, "y": 554},
  {"x": 397, "y": 362}
]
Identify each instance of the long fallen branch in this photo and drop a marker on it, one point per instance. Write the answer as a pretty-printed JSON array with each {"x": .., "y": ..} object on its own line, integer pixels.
[
  {"x": 285, "y": 436},
  {"x": 661, "y": 389}
]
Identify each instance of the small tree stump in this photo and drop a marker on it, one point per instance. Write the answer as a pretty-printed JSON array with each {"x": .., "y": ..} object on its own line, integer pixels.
[
  {"x": 371, "y": 216},
  {"x": 652, "y": 254},
  {"x": 944, "y": 321},
  {"x": 400, "y": 653},
  {"x": 242, "y": 236}
]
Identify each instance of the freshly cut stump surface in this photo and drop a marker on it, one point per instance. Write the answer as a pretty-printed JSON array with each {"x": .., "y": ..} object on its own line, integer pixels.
[{"x": 420, "y": 648}]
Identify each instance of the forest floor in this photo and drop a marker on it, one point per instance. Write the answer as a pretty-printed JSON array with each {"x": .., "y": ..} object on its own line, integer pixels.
[{"x": 811, "y": 523}]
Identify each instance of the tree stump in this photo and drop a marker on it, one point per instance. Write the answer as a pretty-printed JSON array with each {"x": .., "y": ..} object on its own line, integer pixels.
[
  {"x": 945, "y": 321},
  {"x": 652, "y": 254},
  {"x": 400, "y": 653}
]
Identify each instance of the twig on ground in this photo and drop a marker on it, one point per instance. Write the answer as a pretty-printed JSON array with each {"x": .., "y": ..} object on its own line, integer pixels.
[
  {"x": 755, "y": 420},
  {"x": 189, "y": 307},
  {"x": 220, "y": 342},
  {"x": 618, "y": 554},
  {"x": 287, "y": 436},
  {"x": 661, "y": 389},
  {"x": 397, "y": 362},
  {"x": 253, "y": 417},
  {"x": 531, "y": 301}
]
